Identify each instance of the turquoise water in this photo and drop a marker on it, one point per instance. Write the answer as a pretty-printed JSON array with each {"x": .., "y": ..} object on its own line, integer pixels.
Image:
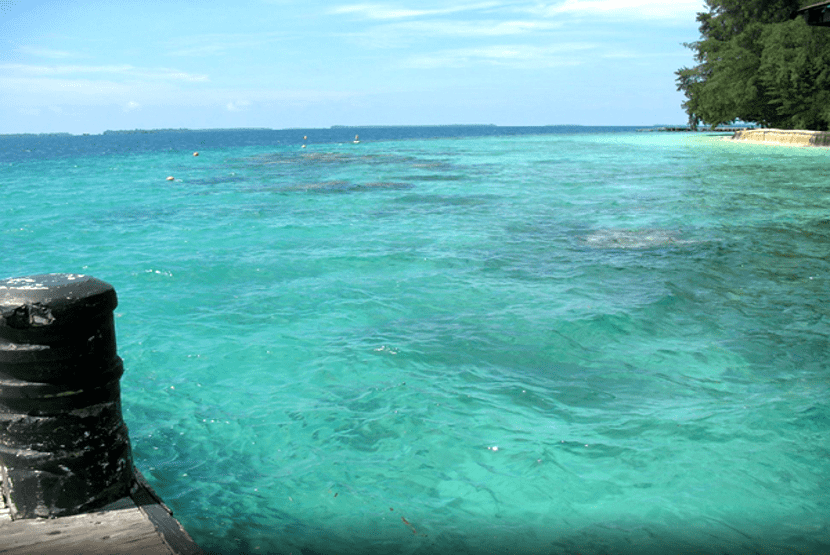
[{"x": 593, "y": 342}]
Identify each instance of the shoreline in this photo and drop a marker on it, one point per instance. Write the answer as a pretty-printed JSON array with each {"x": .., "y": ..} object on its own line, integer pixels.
[{"x": 784, "y": 137}]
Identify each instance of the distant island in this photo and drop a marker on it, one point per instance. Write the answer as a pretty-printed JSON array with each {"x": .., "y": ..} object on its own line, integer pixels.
[
  {"x": 484, "y": 128},
  {"x": 37, "y": 135},
  {"x": 413, "y": 126},
  {"x": 180, "y": 130}
]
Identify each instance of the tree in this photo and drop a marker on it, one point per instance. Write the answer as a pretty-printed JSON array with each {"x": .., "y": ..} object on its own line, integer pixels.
[
  {"x": 757, "y": 64},
  {"x": 795, "y": 73}
]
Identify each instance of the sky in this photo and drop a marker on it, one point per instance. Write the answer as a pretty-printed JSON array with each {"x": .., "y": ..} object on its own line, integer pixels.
[{"x": 86, "y": 66}]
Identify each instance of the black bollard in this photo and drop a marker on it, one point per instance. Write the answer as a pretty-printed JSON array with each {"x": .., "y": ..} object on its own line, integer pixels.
[{"x": 64, "y": 447}]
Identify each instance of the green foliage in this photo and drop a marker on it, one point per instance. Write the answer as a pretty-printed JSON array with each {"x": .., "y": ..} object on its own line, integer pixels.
[
  {"x": 757, "y": 64},
  {"x": 795, "y": 71}
]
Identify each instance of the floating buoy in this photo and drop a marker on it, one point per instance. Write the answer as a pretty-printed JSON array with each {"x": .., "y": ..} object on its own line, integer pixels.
[
  {"x": 195, "y": 154},
  {"x": 171, "y": 178}
]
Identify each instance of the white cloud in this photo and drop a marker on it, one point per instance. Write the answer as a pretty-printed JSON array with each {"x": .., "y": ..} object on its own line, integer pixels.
[
  {"x": 36, "y": 92},
  {"x": 61, "y": 70},
  {"x": 124, "y": 70},
  {"x": 374, "y": 11},
  {"x": 39, "y": 91},
  {"x": 45, "y": 52},
  {"x": 408, "y": 33},
  {"x": 513, "y": 56},
  {"x": 629, "y": 9},
  {"x": 32, "y": 91},
  {"x": 216, "y": 44},
  {"x": 178, "y": 76},
  {"x": 488, "y": 28},
  {"x": 625, "y": 9},
  {"x": 238, "y": 105},
  {"x": 381, "y": 11}
]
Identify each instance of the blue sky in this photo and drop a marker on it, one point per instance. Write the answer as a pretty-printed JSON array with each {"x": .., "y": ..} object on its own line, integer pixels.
[{"x": 87, "y": 66}]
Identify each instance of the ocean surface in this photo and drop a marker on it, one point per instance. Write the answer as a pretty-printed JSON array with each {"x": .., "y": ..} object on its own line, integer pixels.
[{"x": 457, "y": 339}]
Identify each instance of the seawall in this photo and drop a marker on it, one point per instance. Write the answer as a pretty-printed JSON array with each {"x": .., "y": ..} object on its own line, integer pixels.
[{"x": 789, "y": 137}]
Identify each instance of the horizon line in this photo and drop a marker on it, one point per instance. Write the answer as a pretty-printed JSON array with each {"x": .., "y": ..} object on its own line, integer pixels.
[{"x": 333, "y": 127}]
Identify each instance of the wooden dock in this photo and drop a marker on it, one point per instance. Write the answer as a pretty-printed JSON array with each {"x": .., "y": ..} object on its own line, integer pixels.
[
  {"x": 140, "y": 524},
  {"x": 64, "y": 447}
]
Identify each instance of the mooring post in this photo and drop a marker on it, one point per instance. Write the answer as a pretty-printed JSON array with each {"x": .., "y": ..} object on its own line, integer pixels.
[{"x": 64, "y": 447}]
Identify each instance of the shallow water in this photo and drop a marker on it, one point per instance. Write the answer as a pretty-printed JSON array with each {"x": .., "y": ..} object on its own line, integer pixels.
[{"x": 593, "y": 342}]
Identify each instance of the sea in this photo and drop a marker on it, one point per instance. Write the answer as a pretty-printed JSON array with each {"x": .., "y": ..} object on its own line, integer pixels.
[{"x": 459, "y": 339}]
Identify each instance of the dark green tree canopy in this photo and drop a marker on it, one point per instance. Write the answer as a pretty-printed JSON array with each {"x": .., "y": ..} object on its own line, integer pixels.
[{"x": 756, "y": 63}]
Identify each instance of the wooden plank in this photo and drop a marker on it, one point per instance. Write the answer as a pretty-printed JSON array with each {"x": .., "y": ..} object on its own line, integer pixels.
[
  {"x": 137, "y": 525},
  {"x": 121, "y": 531}
]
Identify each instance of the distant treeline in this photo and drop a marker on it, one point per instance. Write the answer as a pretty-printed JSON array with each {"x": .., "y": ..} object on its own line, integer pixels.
[
  {"x": 181, "y": 130},
  {"x": 758, "y": 62},
  {"x": 414, "y": 126},
  {"x": 36, "y": 135}
]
